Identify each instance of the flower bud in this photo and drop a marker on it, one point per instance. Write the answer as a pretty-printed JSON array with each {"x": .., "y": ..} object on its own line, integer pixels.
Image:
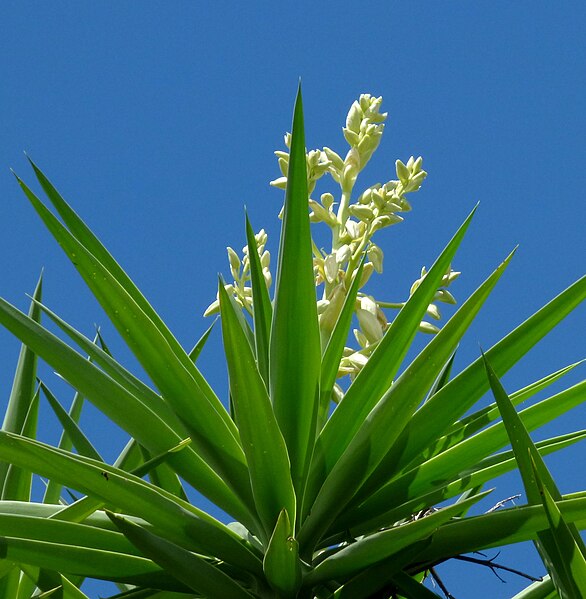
[
  {"x": 351, "y": 137},
  {"x": 329, "y": 316},
  {"x": 265, "y": 259},
  {"x": 281, "y": 183},
  {"x": 213, "y": 308},
  {"x": 327, "y": 200},
  {"x": 283, "y": 166},
  {"x": 367, "y": 303},
  {"x": 426, "y": 327},
  {"x": 402, "y": 172},
  {"x": 234, "y": 263},
  {"x": 375, "y": 255},
  {"x": 319, "y": 212},
  {"x": 360, "y": 338},
  {"x": 384, "y": 221},
  {"x": 369, "y": 325},
  {"x": 443, "y": 295},
  {"x": 354, "y": 117},
  {"x": 361, "y": 212},
  {"x": 417, "y": 165},
  {"x": 433, "y": 311},
  {"x": 450, "y": 277},
  {"x": 343, "y": 254},
  {"x": 266, "y": 273},
  {"x": 366, "y": 272},
  {"x": 352, "y": 229},
  {"x": 416, "y": 181},
  {"x": 334, "y": 158},
  {"x": 358, "y": 360},
  {"x": 331, "y": 268},
  {"x": 364, "y": 197}
]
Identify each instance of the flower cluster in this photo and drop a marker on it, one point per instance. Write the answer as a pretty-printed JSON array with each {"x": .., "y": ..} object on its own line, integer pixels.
[
  {"x": 240, "y": 271},
  {"x": 352, "y": 226}
]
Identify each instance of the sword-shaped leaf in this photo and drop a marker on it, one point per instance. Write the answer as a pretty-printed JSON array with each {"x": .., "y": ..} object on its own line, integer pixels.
[
  {"x": 48, "y": 580},
  {"x": 335, "y": 347},
  {"x": 409, "y": 587},
  {"x": 499, "y": 528},
  {"x": 376, "y": 578},
  {"x": 198, "y": 347},
  {"x": 81, "y": 443},
  {"x": 384, "y": 424},
  {"x": 432, "y": 420},
  {"x": 372, "y": 515},
  {"x": 263, "y": 443},
  {"x": 192, "y": 570},
  {"x": 543, "y": 589},
  {"x": 448, "y": 465},
  {"x": 263, "y": 310},
  {"x": 478, "y": 420},
  {"x": 561, "y": 547},
  {"x": 214, "y": 434},
  {"x": 177, "y": 519},
  {"x": 121, "y": 406},
  {"x": 281, "y": 563},
  {"x": 295, "y": 353},
  {"x": 84, "y": 235},
  {"x": 23, "y": 386},
  {"x": 367, "y": 551},
  {"x": 565, "y": 554},
  {"x": 378, "y": 373}
]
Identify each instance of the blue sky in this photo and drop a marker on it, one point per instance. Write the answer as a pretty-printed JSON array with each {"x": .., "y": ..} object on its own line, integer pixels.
[{"x": 158, "y": 122}]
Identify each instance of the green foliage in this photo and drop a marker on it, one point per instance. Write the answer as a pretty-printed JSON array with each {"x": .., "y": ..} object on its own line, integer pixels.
[{"x": 330, "y": 458}]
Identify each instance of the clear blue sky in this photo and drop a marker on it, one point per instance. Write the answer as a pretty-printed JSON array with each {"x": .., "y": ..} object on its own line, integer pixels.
[{"x": 157, "y": 121}]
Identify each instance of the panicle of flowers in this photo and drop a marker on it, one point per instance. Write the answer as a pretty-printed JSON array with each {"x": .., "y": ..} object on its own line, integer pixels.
[
  {"x": 240, "y": 271},
  {"x": 353, "y": 224}
]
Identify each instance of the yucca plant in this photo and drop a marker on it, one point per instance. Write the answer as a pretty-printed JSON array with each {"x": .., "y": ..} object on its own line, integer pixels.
[{"x": 346, "y": 472}]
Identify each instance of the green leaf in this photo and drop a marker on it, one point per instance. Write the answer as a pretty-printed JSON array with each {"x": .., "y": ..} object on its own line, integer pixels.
[
  {"x": 543, "y": 589},
  {"x": 499, "y": 528},
  {"x": 461, "y": 458},
  {"x": 194, "y": 571},
  {"x": 263, "y": 310},
  {"x": 176, "y": 519},
  {"x": 95, "y": 563},
  {"x": 478, "y": 420},
  {"x": 18, "y": 482},
  {"x": 121, "y": 406},
  {"x": 380, "y": 546},
  {"x": 463, "y": 391},
  {"x": 281, "y": 563},
  {"x": 335, "y": 347},
  {"x": 565, "y": 554},
  {"x": 376, "y": 578},
  {"x": 117, "y": 372},
  {"x": 81, "y": 443},
  {"x": 295, "y": 353},
  {"x": 384, "y": 424},
  {"x": 161, "y": 474},
  {"x": 378, "y": 373},
  {"x": 198, "y": 347},
  {"x": 23, "y": 386},
  {"x": 385, "y": 506},
  {"x": 84, "y": 235},
  {"x": 215, "y": 436},
  {"x": 408, "y": 586},
  {"x": 561, "y": 547},
  {"x": 263, "y": 443},
  {"x": 46, "y": 580}
]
